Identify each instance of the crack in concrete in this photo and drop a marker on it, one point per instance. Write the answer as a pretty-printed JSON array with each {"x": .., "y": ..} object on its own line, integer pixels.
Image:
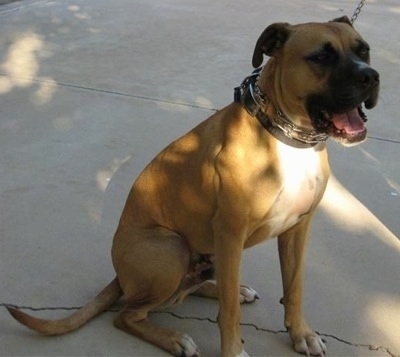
[
  {"x": 214, "y": 321},
  {"x": 19, "y": 6},
  {"x": 124, "y": 94},
  {"x": 360, "y": 345},
  {"x": 111, "y": 92},
  {"x": 276, "y": 332}
]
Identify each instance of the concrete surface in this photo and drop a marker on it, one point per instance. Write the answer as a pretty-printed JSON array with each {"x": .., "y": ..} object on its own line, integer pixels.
[{"x": 92, "y": 90}]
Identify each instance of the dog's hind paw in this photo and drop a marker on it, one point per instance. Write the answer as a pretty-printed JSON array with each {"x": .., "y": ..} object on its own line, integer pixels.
[
  {"x": 185, "y": 347},
  {"x": 242, "y": 354},
  {"x": 311, "y": 345},
  {"x": 247, "y": 294}
]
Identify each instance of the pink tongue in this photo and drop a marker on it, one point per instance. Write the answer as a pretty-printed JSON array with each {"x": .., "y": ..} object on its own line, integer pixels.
[{"x": 351, "y": 122}]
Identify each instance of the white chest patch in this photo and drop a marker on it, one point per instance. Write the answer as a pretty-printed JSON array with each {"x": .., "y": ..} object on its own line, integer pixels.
[{"x": 301, "y": 173}]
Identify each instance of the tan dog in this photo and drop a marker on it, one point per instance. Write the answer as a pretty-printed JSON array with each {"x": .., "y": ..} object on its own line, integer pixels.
[{"x": 255, "y": 170}]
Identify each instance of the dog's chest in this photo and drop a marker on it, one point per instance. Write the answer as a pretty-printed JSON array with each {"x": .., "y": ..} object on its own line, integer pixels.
[{"x": 301, "y": 182}]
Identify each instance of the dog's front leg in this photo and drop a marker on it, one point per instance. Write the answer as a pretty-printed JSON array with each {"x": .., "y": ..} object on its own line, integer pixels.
[
  {"x": 228, "y": 254},
  {"x": 292, "y": 246}
]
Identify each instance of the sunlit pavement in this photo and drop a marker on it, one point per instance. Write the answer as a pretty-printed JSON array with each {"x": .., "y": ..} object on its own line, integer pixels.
[{"x": 91, "y": 90}]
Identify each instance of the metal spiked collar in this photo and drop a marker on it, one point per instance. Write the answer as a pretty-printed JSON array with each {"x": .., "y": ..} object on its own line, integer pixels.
[{"x": 249, "y": 95}]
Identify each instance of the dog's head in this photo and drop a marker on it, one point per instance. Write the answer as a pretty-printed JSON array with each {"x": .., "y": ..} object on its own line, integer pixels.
[{"x": 319, "y": 76}]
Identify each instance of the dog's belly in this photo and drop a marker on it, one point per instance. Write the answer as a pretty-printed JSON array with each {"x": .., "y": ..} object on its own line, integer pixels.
[{"x": 302, "y": 182}]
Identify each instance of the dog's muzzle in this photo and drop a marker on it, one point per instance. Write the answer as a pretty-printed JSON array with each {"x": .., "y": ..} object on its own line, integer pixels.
[{"x": 339, "y": 113}]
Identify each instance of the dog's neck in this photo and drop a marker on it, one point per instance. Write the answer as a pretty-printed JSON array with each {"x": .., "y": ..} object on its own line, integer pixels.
[{"x": 250, "y": 96}]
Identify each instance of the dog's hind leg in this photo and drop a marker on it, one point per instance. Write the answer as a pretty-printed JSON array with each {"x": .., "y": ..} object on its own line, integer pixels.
[
  {"x": 151, "y": 265},
  {"x": 136, "y": 323}
]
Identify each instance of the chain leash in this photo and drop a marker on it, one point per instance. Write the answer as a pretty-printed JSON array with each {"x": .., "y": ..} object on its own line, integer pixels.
[{"x": 357, "y": 11}]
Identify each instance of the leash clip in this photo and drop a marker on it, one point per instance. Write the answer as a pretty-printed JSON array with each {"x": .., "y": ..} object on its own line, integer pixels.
[{"x": 248, "y": 82}]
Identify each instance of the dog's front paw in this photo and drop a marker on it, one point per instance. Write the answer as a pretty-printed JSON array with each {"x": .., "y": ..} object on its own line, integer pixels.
[
  {"x": 310, "y": 345},
  {"x": 247, "y": 294}
]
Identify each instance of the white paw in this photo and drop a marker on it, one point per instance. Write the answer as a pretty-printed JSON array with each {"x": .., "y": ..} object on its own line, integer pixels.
[
  {"x": 186, "y": 347},
  {"x": 247, "y": 294},
  {"x": 242, "y": 354},
  {"x": 311, "y": 345}
]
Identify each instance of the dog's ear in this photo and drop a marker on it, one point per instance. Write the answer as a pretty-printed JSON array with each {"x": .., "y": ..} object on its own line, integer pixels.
[
  {"x": 344, "y": 19},
  {"x": 270, "y": 41}
]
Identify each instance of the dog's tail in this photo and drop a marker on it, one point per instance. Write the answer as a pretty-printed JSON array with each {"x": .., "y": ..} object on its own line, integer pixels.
[{"x": 111, "y": 293}]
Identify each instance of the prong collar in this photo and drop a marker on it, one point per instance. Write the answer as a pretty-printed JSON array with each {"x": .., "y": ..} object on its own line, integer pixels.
[{"x": 249, "y": 95}]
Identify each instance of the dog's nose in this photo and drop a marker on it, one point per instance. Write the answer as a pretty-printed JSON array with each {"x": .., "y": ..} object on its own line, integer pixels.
[{"x": 368, "y": 77}]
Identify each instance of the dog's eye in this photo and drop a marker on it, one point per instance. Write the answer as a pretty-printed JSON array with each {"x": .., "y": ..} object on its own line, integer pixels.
[
  {"x": 322, "y": 58},
  {"x": 362, "y": 50},
  {"x": 326, "y": 55},
  {"x": 363, "y": 53}
]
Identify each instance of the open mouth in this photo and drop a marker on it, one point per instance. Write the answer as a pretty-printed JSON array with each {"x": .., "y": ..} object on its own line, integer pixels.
[{"x": 347, "y": 127}]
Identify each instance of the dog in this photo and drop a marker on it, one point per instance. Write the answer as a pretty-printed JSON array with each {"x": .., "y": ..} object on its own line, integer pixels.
[{"x": 254, "y": 170}]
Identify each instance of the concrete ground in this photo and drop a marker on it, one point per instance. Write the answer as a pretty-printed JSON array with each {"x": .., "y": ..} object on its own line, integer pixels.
[{"x": 91, "y": 90}]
